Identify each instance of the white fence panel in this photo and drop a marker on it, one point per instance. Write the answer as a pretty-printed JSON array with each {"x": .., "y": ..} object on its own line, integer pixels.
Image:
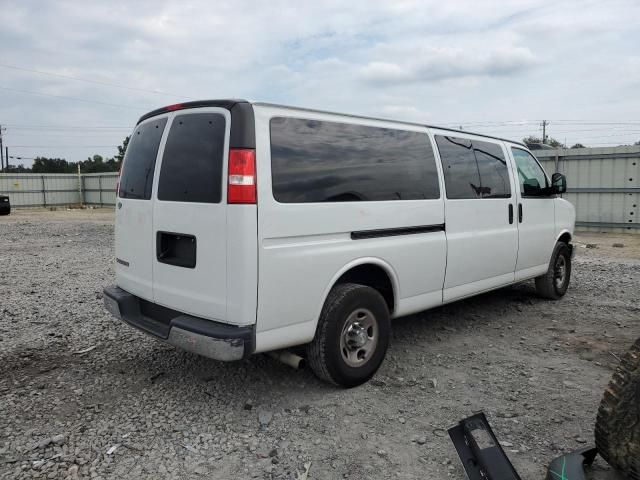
[
  {"x": 602, "y": 183},
  {"x": 28, "y": 190}
]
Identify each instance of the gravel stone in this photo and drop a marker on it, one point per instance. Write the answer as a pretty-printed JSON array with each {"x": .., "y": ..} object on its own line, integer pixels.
[{"x": 152, "y": 400}]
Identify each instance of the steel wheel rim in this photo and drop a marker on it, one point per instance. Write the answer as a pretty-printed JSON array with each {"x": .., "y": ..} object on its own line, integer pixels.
[
  {"x": 560, "y": 271},
  {"x": 359, "y": 337}
]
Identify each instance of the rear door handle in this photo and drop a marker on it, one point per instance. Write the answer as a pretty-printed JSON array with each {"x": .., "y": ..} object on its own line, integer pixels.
[
  {"x": 510, "y": 213},
  {"x": 520, "y": 212}
]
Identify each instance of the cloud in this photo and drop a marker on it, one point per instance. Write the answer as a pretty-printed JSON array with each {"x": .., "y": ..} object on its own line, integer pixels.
[{"x": 429, "y": 64}]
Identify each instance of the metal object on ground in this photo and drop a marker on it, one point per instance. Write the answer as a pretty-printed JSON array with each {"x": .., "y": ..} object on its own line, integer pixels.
[
  {"x": 483, "y": 458},
  {"x": 481, "y": 454},
  {"x": 571, "y": 466}
]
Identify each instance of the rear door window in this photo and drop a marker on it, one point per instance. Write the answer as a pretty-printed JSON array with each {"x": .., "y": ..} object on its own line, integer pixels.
[
  {"x": 136, "y": 179},
  {"x": 494, "y": 174},
  {"x": 192, "y": 161},
  {"x": 461, "y": 174},
  {"x": 320, "y": 161},
  {"x": 473, "y": 168}
]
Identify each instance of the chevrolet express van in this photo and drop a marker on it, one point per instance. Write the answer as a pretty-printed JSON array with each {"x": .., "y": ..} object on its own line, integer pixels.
[{"x": 246, "y": 227}]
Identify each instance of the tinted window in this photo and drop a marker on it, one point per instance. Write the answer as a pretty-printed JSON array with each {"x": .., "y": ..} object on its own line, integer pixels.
[
  {"x": 314, "y": 161},
  {"x": 192, "y": 160},
  {"x": 473, "y": 169},
  {"x": 140, "y": 160},
  {"x": 494, "y": 174},
  {"x": 461, "y": 174},
  {"x": 533, "y": 181}
]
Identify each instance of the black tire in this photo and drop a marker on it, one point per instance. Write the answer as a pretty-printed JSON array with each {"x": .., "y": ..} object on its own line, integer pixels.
[
  {"x": 325, "y": 354},
  {"x": 618, "y": 423},
  {"x": 550, "y": 285}
]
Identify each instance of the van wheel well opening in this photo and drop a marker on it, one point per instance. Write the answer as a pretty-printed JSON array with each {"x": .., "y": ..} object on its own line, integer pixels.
[
  {"x": 565, "y": 238},
  {"x": 371, "y": 276}
]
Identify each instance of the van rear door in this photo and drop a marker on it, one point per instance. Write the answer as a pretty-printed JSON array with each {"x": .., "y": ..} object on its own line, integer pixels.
[
  {"x": 189, "y": 240},
  {"x": 134, "y": 210}
]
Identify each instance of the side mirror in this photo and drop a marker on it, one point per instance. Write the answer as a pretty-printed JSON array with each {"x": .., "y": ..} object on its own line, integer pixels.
[{"x": 559, "y": 183}]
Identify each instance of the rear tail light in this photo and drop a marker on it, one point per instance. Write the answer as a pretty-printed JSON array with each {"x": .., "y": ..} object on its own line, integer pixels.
[
  {"x": 118, "y": 183},
  {"x": 242, "y": 176}
]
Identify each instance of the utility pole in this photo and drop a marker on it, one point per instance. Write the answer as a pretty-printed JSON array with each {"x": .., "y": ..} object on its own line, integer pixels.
[
  {"x": 6, "y": 157},
  {"x": 544, "y": 131},
  {"x": 2, "y": 152},
  {"x": 80, "y": 186}
]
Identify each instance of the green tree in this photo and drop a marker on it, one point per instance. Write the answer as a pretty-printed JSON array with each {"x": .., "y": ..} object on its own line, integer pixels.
[
  {"x": 50, "y": 165},
  {"x": 17, "y": 169},
  {"x": 578, "y": 145},
  {"x": 552, "y": 142},
  {"x": 97, "y": 164},
  {"x": 122, "y": 149}
]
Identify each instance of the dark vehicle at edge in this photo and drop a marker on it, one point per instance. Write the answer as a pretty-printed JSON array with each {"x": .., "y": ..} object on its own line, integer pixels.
[{"x": 5, "y": 205}]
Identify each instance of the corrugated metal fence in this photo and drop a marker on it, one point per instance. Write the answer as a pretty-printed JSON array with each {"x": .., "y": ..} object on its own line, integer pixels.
[
  {"x": 58, "y": 189},
  {"x": 602, "y": 183}
]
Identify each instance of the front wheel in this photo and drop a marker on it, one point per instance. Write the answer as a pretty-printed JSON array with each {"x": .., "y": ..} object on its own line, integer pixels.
[
  {"x": 352, "y": 336},
  {"x": 555, "y": 282}
]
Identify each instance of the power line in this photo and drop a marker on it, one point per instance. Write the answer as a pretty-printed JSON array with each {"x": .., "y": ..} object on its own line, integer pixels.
[
  {"x": 59, "y": 127},
  {"x": 611, "y": 135},
  {"x": 608, "y": 143},
  {"x": 66, "y": 135},
  {"x": 591, "y": 122},
  {"x": 510, "y": 123},
  {"x": 64, "y": 146},
  {"x": 74, "y": 98},
  {"x": 526, "y": 123},
  {"x": 97, "y": 82}
]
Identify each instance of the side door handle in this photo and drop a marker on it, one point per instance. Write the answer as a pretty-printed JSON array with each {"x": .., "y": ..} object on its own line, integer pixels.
[
  {"x": 510, "y": 213},
  {"x": 520, "y": 213}
]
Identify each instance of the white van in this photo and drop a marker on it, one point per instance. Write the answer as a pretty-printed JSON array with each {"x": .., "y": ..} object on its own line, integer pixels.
[{"x": 249, "y": 227}]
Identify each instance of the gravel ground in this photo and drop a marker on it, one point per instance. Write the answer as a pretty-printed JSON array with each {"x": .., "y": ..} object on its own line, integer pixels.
[{"x": 84, "y": 396}]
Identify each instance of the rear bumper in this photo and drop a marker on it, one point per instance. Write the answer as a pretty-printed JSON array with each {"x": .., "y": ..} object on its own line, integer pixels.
[{"x": 205, "y": 337}]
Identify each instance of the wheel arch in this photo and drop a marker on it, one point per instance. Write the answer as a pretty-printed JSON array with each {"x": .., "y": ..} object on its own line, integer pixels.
[
  {"x": 383, "y": 278},
  {"x": 564, "y": 236}
]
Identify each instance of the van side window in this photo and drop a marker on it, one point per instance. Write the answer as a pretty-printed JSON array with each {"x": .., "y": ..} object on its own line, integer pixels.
[
  {"x": 461, "y": 175},
  {"x": 492, "y": 165},
  {"x": 319, "y": 161},
  {"x": 473, "y": 169},
  {"x": 139, "y": 164},
  {"x": 533, "y": 180},
  {"x": 191, "y": 168}
]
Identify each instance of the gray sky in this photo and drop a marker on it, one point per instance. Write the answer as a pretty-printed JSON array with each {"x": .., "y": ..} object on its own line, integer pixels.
[{"x": 497, "y": 67}]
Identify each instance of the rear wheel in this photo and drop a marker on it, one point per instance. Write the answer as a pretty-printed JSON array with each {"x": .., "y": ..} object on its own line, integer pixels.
[
  {"x": 618, "y": 423},
  {"x": 352, "y": 336},
  {"x": 555, "y": 282}
]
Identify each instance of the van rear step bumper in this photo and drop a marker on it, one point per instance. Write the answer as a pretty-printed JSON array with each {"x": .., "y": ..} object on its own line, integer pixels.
[{"x": 205, "y": 337}]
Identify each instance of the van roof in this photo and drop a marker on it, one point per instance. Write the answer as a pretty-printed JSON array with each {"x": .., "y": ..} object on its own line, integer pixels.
[{"x": 230, "y": 103}]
